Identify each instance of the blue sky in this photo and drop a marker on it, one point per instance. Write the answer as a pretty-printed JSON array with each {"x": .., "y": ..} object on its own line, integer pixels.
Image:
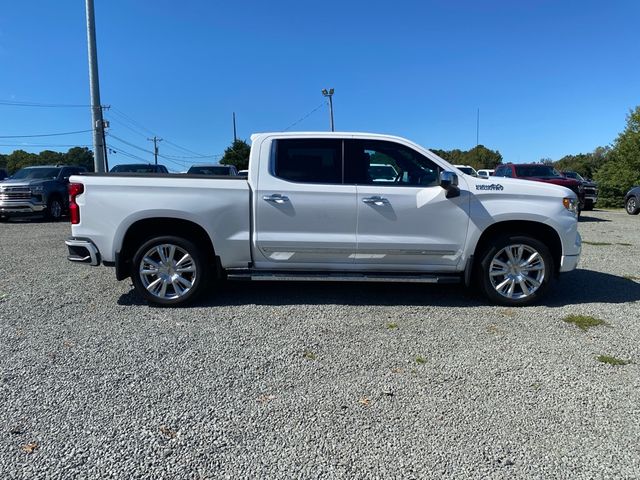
[{"x": 550, "y": 77}]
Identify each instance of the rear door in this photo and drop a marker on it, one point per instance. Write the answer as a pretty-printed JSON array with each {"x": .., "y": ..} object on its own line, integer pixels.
[
  {"x": 405, "y": 221},
  {"x": 304, "y": 216}
]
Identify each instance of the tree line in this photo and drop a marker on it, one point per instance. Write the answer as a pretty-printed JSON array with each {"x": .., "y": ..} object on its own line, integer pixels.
[
  {"x": 18, "y": 159},
  {"x": 615, "y": 167}
]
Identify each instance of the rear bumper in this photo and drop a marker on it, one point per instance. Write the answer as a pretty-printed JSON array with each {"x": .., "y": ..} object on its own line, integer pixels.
[{"x": 82, "y": 250}]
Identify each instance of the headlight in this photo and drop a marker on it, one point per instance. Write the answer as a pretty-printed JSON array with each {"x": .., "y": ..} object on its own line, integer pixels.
[
  {"x": 37, "y": 189},
  {"x": 571, "y": 204}
]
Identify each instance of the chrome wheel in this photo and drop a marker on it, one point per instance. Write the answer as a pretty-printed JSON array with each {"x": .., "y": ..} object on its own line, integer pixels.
[
  {"x": 632, "y": 206},
  {"x": 517, "y": 271},
  {"x": 167, "y": 271}
]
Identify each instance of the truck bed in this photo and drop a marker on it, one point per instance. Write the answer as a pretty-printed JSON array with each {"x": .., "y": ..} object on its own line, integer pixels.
[{"x": 112, "y": 202}]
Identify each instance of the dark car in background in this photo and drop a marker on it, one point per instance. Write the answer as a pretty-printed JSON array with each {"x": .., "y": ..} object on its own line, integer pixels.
[
  {"x": 38, "y": 190},
  {"x": 590, "y": 189},
  {"x": 220, "y": 170},
  {"x": 3, "y": 174},
  {"x": 632, "y": 201},
  {"x": 139, "y": 168},
  {"x": 539, "y": 172}
]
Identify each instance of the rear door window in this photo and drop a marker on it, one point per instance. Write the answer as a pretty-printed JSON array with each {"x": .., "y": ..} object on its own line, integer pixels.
[{"x": 309, "y": 160}]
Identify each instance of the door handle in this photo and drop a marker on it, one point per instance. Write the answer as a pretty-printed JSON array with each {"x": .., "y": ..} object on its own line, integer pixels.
[
  {"x": 376, "y": 200},
  {"x": 276, "y": 198}
]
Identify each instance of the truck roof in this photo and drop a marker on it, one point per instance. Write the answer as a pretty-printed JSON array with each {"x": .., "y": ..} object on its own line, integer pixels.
[{"x": 325, "y": 134}]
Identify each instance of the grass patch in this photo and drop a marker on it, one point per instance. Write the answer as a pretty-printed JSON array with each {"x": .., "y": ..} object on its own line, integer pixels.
[
  {"x": 309, "y": 355},
  {"x": 612, "y": 360},
  {"x": 420, "y": 360},
  {"x": 391, "y": 326},
  {"x": 599, "y": 244},
  {"x": 584, "y": 322}
]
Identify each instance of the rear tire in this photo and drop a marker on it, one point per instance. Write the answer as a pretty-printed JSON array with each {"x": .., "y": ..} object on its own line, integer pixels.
[
  {"x": 588, "y": 206},
  {"x": 170, "y": 271},
  {"x": 515, "y": 270},
  {"x": 631, "y": 206}
]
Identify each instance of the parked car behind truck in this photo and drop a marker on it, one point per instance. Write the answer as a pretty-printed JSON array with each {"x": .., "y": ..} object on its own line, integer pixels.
[
  {"x": 632, "y": 201},
  {"x": 38, "y": 190},
  {"x": 313, "y": 209},
  {"x": 539, "y": 172},
  {"x": 590, "y": 189}
]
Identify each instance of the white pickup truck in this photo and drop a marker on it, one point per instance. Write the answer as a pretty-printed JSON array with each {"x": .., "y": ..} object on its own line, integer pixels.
[{"x": 312, "y": 208}]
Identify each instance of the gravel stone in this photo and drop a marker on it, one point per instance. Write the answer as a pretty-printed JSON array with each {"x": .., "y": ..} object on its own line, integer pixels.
[{"x": 297, "y": 380}]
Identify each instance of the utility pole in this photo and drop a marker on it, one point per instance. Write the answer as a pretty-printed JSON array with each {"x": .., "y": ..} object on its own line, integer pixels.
[
  {"x": 155, "y": 141},
  {"x": 329, "y": 93},
  {"x": 99, "y": 153},
  {"x": 235, "y": 137}
]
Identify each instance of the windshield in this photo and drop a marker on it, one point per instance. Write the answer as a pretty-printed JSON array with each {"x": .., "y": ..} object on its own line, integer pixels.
[
  {"x": 135, "y": 168},
  {"x": 35, "y": 173},
  {"x": 540, "y": 171},
  {"x": 574, "y": 175},
  {"x": 468, "y": 171},
  {"x": 210, "y": 170}
]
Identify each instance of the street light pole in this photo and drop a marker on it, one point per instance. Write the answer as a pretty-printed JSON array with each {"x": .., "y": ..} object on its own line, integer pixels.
[
  {"x": 99, "y": 159},
  {"x": 329, "y": 93}
]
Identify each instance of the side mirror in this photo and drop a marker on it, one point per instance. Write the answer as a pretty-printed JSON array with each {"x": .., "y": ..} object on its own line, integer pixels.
[{"x": 449, "y": 181}]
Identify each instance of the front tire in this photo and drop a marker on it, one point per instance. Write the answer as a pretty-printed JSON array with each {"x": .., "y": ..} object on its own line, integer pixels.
[
  {"x": 631, "y": 206},
  {"x": 515, "y": 270},
  {"x": 169, "y": 271},
  {"x": 54, "y": 209}
]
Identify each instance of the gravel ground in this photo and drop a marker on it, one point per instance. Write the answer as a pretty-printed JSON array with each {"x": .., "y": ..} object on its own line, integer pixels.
[{"x": 316, "y": 380}]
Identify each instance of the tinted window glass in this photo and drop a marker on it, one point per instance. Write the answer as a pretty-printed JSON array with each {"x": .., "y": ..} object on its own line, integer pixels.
[
  {"x": 542, "y": 171},
  {"x": 502, "y": 172},
  {"x": 376, "y": 162},
  {"x": 212, "y": 170},
  {"x": 37, "y": 172},
  {"x": 309, "y": 160}
]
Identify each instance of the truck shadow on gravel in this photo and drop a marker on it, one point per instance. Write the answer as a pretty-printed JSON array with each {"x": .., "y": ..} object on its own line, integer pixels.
[
  {"x": 586, "y": 219},
  {"x": 577, "y": 287}
]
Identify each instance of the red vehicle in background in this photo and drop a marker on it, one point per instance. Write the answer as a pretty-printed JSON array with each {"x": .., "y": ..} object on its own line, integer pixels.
[{"x": 539, "y": 172}]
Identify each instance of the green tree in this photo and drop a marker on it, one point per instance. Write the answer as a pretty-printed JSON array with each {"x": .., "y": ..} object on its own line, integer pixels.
[
  {"x": 622, "y": 170},
  {"x": 3, "y": 160},
  {"x": 81, "y": 156},
  {"x": 585, "y": 164},
  {"x": 478, "y": 157},
  {"x": 19, "y": 159},
  {"x": 237, "y": 154}
]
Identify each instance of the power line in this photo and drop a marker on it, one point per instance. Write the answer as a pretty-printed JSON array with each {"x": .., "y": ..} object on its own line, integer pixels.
[
  {"x": 141, "y": 128},
  {"x": 45, "y": 134},
  {"x": 305, "y": 117},
  {"x": 12, "y": 103},
  {"x": 44, "y": 145},
  {"x": 111, "y": 135}
]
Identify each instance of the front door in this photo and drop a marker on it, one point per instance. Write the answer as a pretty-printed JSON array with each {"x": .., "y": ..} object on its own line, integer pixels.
[
  {"x": 405, "y": 221},
  {"x": 305, "y": 217}
]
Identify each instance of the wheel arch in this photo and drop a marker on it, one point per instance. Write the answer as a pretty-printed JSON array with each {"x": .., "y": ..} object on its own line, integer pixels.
[
  {"x": 147, "y": 228},
  {"x": 540, "y": 231}
]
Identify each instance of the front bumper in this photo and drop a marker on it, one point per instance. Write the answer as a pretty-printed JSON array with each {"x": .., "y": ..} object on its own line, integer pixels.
[
  {"x": 24, "y": 207},
  {"x": 570, "y": 262},
  {"x": 82, "y": 250}
]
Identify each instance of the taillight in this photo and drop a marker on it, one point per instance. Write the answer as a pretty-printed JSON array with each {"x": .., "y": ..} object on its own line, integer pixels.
[{"x": 75, "y": 189}]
